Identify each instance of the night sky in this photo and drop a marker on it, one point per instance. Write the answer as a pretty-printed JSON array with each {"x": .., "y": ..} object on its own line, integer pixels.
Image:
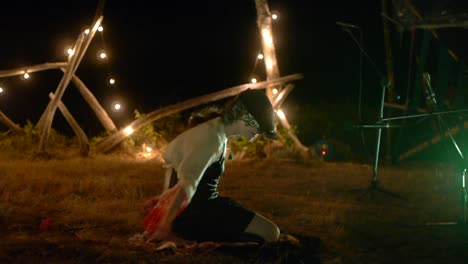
[{"x": 164, "y": 52}]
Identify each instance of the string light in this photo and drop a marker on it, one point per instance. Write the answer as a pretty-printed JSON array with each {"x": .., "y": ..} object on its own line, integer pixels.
[
  {"x": 253, "y": 80},
  {"x": 260, "y": 56},
  {"x": 275, "y": 15},
  {"x": 100, "y": 29},
  {"x": 86, "y": 31},
  {"x": 102, "y": 55},
  {"x": 275, "y": 91},
  {"x": 129, "y": 130},
  {"x": 69, "y": 50},
  {"x": 112, "y": 81},
  {"x": 149, "y": 149},
  {"x": 26, "y": 76},
  {"x": 1, "y": 90}
]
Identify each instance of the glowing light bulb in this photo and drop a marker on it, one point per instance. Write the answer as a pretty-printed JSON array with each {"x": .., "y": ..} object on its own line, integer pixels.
[
  {"x": 275, "y": 91},
  {"x": 1, "y": 90},
  {"x": 253, "y": 80},
  {"x": 260, "y": 56},
  {"x": 111, "y": 80},
  {"x": 102, "y": 55},
  {"x": 117, "y": 106},
  {"x": 100, "y": 28},
  {"x": 26, "y": 75},
  {"x": 148, "y": 149},
  {"x": 275, "y": 15},
  {"x": 86, "y": 31},
  {"x": 129, "y": 130},
  {"x": 70, "y": 51}
]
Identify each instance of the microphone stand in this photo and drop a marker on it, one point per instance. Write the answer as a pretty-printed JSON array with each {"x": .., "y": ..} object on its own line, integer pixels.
[
  {"x": 385, "y": 84},
  {"x": 384, "y": 123}
]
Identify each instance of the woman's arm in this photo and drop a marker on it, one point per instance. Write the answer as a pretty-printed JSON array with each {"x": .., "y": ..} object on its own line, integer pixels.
[{"x": 175, "y": 204}]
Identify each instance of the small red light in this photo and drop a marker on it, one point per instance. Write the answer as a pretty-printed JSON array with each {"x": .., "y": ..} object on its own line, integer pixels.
[{"x": 324, "y": 153}]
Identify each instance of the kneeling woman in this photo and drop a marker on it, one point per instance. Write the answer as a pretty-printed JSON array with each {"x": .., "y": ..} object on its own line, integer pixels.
[{"x": 192, "y": 208}]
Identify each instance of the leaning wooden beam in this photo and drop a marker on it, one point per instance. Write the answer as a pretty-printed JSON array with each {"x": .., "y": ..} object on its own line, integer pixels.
[
  {"x": 80, "y": 48},
  {"x": 33, "y": 68},
  {"x": 291, "y": 134},
  {"x": 432, "y": 141},
  {"x": 281, "y": 96},
  {"x": 10, "y": 124},
  {"x": 101, "y": 114},
  {"x": 403, "y": 107},
  {"x": 47, "y": 117},
  {"x": 111, "y": 141},
  {"x": 462, "y": 24},
  {"x": 82, "y": 138}
]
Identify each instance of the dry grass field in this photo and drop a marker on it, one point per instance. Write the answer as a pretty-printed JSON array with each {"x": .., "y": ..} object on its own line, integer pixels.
[{"x": 94, "y": 205}]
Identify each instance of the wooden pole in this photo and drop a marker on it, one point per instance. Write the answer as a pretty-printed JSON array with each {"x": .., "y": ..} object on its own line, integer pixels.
[
  {"x": 264, "y": 23},
  {"x": 434, "y": 140},
  {"x": 10, "y": 124},
  {"x": 101, "y": 114},
  {"x": 111, "y": 141},
  {"x": 33, "y": 68},
  {"x": 80, "y": 48},
  {"x": 82, "y": 138},
  {"x": 281, "y": 96}
]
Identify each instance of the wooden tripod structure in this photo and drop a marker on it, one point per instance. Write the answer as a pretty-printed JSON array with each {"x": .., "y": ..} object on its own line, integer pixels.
[
  {"x": 117, "y": 136},
  {"x": 407, "y": 17}
]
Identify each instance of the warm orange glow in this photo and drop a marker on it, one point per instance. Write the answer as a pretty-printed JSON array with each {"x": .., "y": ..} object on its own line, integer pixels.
[
  {"x": 267, "y": 36},
  {"x": 102, "y": 55},
  {"x": 129, "y": 130},
  {"x": 275, "y": 15},
  {"x": 70, "y": 51},
  {"x": 280, "y": 114},
  {"x": 269, "y": 64}
]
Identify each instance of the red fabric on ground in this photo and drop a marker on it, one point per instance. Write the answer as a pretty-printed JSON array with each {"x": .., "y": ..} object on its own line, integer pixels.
[{"x": 154, "y": 217}]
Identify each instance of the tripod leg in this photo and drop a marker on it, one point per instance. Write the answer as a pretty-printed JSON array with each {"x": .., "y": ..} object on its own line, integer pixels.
[
  {"x": 376, "y": 161},
  {"x": 373, "y": 184}
]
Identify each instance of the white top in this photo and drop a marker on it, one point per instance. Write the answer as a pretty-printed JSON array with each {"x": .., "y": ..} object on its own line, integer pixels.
[{"x": 193, "y": 151}]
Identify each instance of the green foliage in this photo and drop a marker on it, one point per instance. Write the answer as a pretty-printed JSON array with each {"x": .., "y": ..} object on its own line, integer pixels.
[
  {"x": 26, "y": 143},
  {"x": 170, "y": 126},
  {"x": 155, "y": 134}
]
